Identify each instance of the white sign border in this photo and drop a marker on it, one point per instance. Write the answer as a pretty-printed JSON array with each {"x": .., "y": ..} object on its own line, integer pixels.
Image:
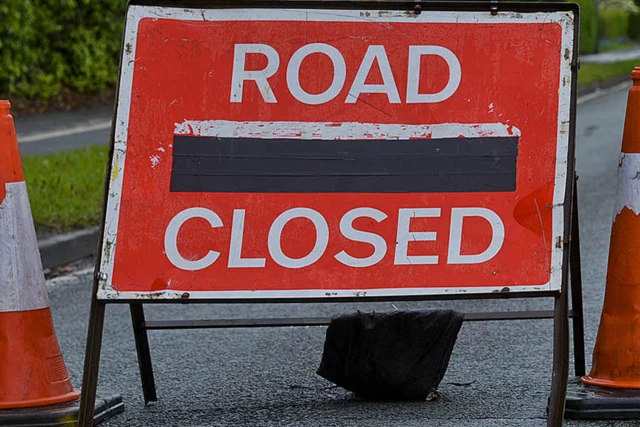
[{"x": 136, "y": 13}]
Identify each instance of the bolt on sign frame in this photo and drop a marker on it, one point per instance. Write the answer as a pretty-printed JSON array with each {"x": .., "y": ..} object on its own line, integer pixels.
[{"x": 341, "y": 151}]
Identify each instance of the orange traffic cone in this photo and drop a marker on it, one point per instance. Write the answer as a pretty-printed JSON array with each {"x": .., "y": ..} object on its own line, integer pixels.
[
  {"x": 32, "y": 370},
  {"x": 611, "y": 388},
  {"x": 616, "y": 357}
]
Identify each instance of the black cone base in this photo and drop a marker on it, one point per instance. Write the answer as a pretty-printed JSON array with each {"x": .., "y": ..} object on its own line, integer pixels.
[
  {"x": 62, "y": 415},
  {"x": 585, "y": 402}
]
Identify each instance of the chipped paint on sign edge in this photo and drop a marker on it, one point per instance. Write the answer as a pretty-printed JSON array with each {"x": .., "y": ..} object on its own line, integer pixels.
[
  {"x": 566, "y": 21},
  {"x": 112, "y": 214},
  {"x": 342, "y": 130},
  {"x": 354, "y": 15},
  {"x": 106, "y": 293}
]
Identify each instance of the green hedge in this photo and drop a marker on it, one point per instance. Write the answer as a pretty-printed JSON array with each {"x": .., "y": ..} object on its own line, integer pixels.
[
  {"x": 588, "y": 26},
  {"x": 614, "y": 24},
  {"x": 634, "y": 25},
  {"x": 47, "y": 45}
]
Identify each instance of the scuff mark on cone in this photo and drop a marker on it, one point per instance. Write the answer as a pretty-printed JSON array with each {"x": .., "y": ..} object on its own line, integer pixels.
[
  {"x": 628, "y": 193},
  {"x": 20, "y": 266}
]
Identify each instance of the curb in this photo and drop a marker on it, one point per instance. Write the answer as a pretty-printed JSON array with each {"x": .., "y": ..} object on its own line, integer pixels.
[{"x": 66, "y": 248}]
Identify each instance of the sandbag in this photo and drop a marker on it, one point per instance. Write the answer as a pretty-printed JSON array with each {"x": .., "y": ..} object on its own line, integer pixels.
[{"x": 399, "y": 355}]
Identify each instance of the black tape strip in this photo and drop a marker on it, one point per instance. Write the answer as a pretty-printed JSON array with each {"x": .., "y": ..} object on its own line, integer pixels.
[{"x": 211, "y": 164}]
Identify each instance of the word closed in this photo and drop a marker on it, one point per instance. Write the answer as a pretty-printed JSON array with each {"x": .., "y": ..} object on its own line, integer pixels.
[{"x": 380, "y": 246}]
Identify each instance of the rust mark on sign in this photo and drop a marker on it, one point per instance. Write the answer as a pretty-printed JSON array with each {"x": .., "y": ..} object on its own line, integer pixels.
[
  {"x": 559, "y": 242},
  {"x": 114, "y": 172},
  {"x": 107, "y": 249}
]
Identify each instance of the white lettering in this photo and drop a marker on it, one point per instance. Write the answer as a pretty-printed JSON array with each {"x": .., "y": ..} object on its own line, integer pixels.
[
  {"x": 240, "y": 75},
  {"x": 293, "y": 74},
  {"x": 274, "y": 240},
  {"x": 388, "y": 85},
  {"x": 404, "y": 236},
  {"x": 413, "y": 78},
  {"x": 275, "y": 233},
  {"x": 347, "y": 230},
  {"x": 455, "y": 235},
  {"x": 171, "y": 239},
  {"x": 235, "y": 248},
  {"x": 374, "y": 53}
]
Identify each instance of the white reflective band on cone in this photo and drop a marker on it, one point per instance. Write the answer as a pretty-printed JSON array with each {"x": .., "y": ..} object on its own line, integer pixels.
[
  {"x": 22, "y": 285},
  {"x": 628, "y": 184}
]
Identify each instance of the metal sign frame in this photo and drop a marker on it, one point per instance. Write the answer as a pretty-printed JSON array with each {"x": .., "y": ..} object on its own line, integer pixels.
[{"x": 568, "y": 246}]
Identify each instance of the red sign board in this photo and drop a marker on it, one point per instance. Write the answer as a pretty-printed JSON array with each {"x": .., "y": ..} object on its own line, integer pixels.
[{"x": 264, "y": 153}]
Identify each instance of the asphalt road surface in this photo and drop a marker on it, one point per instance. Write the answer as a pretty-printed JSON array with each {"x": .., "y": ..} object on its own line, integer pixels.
[
  {"x": 499, "y": 374},
  {"x": 61, "y": 131}
]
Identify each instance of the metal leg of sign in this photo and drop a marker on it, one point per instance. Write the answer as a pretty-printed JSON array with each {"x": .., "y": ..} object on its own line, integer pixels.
[
  {"x": 144, "y": 354},
  {"x": 87, "y": 416},
  {"x": 560, "y": 360},
  {"x": 576, "y": 290}
]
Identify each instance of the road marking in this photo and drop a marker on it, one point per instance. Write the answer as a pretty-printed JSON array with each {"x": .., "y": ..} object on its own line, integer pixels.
[
  {"x": 65, "y": 132},
  {"x": 599, "y": 93}
]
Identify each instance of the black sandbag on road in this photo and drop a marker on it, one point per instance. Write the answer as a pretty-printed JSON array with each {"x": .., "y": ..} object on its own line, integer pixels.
[{"x": 400, "y": 355}]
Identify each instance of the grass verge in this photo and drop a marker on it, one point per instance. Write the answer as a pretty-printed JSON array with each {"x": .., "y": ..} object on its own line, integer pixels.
[
  {"x": 66, "y": 189},
  {"x": 596, "y": 73}
]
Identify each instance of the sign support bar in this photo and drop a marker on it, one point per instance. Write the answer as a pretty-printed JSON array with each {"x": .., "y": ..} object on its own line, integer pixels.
[
  {"x": 576, "y": 288},
  {"x": 144, "y": 354},
  {"x": 560, "y": 373},
  {"x": 91, "y": 360}
]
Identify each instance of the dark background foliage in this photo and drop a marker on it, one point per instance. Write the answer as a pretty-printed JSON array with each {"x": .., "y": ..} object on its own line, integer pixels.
[{"x": 47, "y": 46}]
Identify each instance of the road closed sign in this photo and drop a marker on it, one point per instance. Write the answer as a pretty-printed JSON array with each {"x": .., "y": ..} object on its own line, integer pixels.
[{"x": 264, "y": 153}]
